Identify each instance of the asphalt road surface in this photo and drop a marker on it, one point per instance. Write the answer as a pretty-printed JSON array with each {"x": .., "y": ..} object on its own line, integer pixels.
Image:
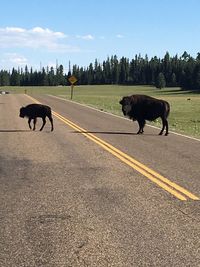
[{"x": 93, "y": 193}]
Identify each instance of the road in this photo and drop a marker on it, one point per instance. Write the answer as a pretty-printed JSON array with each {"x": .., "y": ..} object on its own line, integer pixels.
[{"x": 93, "y": 193}]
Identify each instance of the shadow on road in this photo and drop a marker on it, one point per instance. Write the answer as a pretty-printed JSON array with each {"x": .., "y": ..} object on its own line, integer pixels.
[
  {"x": 98, "y": 132},
  {"x": 13, "y": 131},
  {"x": 115, "y": 133}
]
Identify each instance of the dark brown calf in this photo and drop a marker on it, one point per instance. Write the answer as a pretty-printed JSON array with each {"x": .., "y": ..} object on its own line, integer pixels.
[{"x": 33, "y": 111}]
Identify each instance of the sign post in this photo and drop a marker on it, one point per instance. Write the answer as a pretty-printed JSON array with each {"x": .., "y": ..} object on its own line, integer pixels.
[{"x": 72, "y": 80}]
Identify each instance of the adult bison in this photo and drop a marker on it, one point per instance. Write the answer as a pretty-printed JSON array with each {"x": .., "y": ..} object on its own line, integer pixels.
[
  {"x": 143, "y": 107},
  {"x": 33, "y": 111}
]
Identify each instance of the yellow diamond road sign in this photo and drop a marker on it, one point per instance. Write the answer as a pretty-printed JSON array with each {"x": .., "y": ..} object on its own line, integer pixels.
[{"x": 72, "y": 79}]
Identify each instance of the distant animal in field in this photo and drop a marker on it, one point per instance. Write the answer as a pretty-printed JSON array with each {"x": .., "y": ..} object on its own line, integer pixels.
[
  {"x": 33, "y": 111},
  {"x": 142, "y": 107}
]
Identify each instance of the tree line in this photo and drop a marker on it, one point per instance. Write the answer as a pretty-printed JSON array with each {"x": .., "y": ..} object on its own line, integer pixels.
[{"x": 183, "y": 71}]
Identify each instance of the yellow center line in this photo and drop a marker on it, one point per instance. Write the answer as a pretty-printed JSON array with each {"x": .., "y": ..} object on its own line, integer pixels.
[{"x": 171, "y": 187}]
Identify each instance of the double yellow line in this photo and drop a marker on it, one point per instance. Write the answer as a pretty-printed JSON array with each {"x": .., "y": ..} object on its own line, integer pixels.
[{"x": 171, "y": 187}]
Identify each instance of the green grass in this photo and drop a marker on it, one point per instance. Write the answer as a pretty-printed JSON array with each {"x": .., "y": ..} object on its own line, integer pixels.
[{"x": 185, "y": 105}]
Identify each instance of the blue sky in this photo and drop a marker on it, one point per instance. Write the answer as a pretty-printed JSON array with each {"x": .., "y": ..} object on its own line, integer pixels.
[{"x": 42, "y": 32}]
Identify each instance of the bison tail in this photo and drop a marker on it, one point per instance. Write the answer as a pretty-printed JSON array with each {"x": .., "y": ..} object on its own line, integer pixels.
[{"x": 167, "y": 109}]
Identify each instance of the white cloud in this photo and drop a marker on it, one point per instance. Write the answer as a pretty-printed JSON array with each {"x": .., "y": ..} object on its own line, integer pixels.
[
  {"x": 35, "y": 38},
  {"x": 10, "y": 60},
  {"x": 12, "y": 29},
  {"x": 119, "y": 36},
  {"x": 46, "y": 32},
  {"x": 15, "y": 58},
  {"x": 85, "y": 37}
]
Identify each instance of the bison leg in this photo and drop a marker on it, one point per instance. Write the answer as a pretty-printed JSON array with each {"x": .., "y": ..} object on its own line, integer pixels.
[
  {"x": 165, "y": 125},
  {"x": 29, "y": 123},
  {"x": 166, "y": 133},
  {"x": 44, "y": 122},
  {"x": 141, "y": 123},
  {"x": 51, "y": 120},
  {"x": 34, "y": 123}
]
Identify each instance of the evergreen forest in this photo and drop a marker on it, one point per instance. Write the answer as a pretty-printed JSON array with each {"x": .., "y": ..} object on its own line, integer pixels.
[{"x": 183, "y": 71}]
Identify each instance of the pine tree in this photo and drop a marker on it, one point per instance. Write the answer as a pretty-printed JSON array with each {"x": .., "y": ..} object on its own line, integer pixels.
[
  {"x": 160, "y": 82},
  {"x": 196, "y": 77},
  {"x": 14, "y": 78},
  {"x": 173, "y": 80},
  {"x": 4, "y": 78},
  {"x": 114, "y": 70}
]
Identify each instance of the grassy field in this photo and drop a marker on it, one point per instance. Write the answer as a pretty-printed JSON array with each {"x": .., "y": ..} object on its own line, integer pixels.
[{"x": 185, "y": 105}]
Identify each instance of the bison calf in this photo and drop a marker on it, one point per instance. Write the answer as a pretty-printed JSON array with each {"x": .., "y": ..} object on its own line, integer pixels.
[
  {"x": 33, "y": 111},
  {"x": 143, "y": 107}
]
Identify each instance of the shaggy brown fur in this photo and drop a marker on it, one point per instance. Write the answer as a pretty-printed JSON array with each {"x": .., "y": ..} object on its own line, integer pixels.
[
  {"x": 33, "y": 111},
  {"x": 143, "y": 107}
]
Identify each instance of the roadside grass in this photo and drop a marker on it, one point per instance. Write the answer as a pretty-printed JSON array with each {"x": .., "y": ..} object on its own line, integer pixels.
[{"x": 185, "y": 105}]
